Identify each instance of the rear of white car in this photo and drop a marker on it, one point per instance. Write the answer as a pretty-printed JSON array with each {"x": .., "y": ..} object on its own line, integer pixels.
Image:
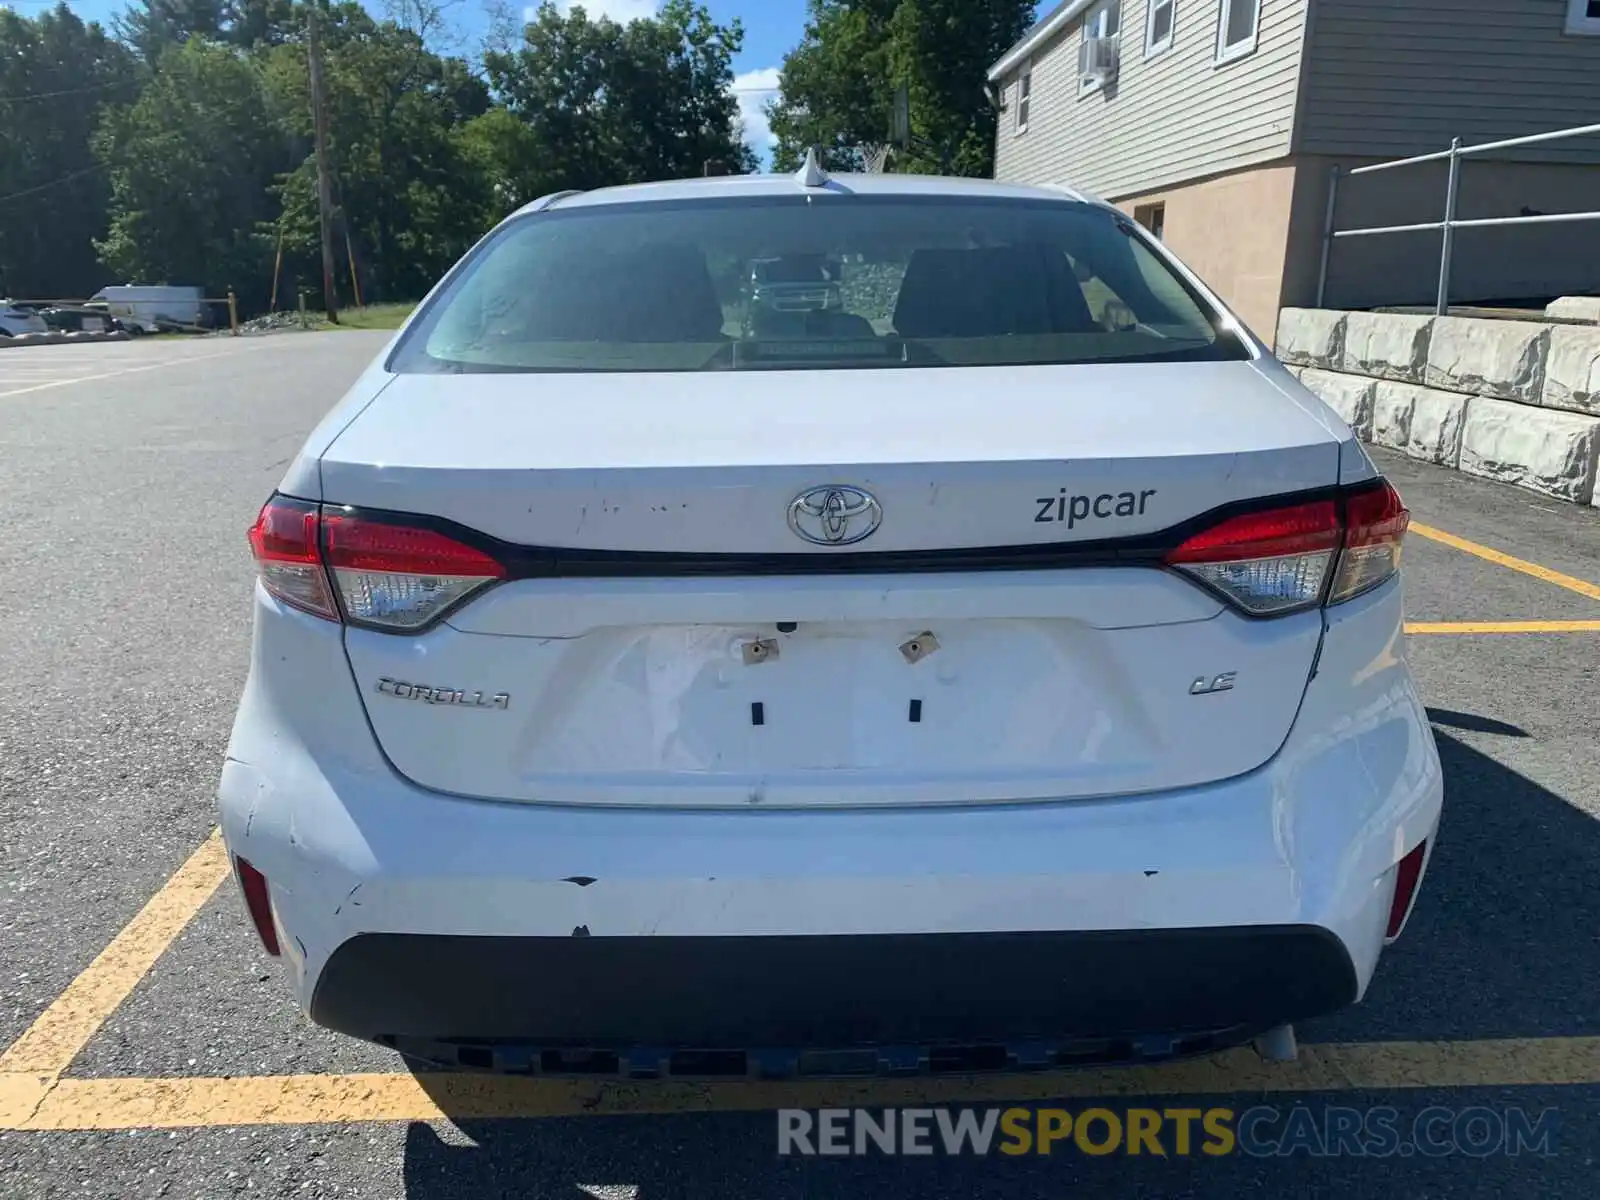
[{"x": 954, "y": 674}]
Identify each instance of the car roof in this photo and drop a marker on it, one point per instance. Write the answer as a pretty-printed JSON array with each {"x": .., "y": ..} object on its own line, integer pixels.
[{"x": 786, "y": 184}]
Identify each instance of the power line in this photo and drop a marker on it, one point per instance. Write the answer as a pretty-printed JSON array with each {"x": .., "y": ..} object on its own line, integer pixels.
[
  {"x": 45, "y": 187},
  {"x": 77, "y": 91}
]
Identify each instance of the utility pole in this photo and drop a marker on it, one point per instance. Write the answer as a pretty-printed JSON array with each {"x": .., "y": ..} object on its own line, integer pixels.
[{"x": 319, "y": 125}]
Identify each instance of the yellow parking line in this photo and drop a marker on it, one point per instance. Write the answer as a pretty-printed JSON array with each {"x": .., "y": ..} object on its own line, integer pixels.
[
  {"x": 62, "y": 1030},
  {"x": 1437, "y": 627},
  {"x": 28, "y": 1103},
  {"x": 1582, "y": 586}
]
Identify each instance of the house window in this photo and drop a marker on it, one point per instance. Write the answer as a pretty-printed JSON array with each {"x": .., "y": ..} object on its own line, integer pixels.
[
  {"x": 1154, "y": 218},
  {"x": 1583, "y": 17},
  {"x": 1158, "y": 29},
  {"x": 1024, "y": 98},
  {"x": 1103, "y": 24},
  {"x": 1236, "y": 32}
]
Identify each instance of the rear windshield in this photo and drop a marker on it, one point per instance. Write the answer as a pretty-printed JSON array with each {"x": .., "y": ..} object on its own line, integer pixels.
[{"x": 812, "y": 281}]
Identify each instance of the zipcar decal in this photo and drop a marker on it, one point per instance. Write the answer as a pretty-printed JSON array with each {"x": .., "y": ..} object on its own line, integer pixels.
[{"x": 1073, "y": 509}]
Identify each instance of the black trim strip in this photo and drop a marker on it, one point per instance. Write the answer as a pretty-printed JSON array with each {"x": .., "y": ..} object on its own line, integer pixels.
[{"x": 558, "y": 562}]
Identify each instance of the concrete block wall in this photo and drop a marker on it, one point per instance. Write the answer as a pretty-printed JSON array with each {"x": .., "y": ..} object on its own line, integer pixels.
[{"x": 1515, "y": 401}]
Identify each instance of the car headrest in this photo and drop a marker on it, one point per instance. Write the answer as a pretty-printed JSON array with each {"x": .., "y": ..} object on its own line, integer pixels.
[
  {"x": 659, "y": 292},
  {"x": 993, "y": 291}
]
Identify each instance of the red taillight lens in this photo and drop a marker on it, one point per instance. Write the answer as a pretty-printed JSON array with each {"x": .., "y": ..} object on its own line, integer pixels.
[
  {"x": 396, "y": 576},
  {"x": 1375, "y": 526},
  {"x": 254, "y": 886},
  {"x": 1406, "y": 877},
  {"x": 1267, "y": 563},
  {"x": 284, "y": 542}
]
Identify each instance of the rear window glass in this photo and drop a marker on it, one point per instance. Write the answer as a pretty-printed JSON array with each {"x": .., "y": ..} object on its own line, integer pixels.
[{"x": 812, "y": 281}]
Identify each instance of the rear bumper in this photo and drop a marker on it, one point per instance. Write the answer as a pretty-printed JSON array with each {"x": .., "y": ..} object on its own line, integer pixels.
[
  {"x": 1251, "y": 901},
  {"x": 763, "y": 993}
]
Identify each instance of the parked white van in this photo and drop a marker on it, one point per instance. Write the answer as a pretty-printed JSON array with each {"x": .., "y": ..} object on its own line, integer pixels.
[{"x": 148, "y": 308}]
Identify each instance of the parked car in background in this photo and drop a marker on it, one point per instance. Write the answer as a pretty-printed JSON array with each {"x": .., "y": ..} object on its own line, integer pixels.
[
  {"x": 74, "y": 318},
  {"x": 15, "y": 319},
  {"x": 151, "y": 309}
]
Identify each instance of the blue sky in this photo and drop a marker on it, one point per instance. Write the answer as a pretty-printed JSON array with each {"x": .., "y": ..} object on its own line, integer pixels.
[{"x": 771, "y": 28}]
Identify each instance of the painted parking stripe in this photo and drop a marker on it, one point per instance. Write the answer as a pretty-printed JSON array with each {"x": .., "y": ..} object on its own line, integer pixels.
[
  {"x": 62, "y": 1030},
  {"x": 1582, "y": 586},
  {"x": 28, "y": 1103},
  {"x": 177, "y": 361},
  {"x": 1493, "y": 627}
]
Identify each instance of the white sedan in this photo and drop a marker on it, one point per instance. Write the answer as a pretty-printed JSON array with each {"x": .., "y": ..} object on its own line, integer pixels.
[{"x": 989, "y": 656}]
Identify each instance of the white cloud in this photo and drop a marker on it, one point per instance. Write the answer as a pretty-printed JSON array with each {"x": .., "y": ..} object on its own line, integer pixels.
[
  {"x": 621, "y": 11},
  {"x": 754, "y": 91}
]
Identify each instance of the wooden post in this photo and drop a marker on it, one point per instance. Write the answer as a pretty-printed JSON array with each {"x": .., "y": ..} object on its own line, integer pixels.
[
  {"x": 304, "y": 321},
  {"x": 355, "y": 284},
  {"x": 277, "y": 269},
  {"x": 233, "y": 313},
  {"x": 319, "y": 125}
]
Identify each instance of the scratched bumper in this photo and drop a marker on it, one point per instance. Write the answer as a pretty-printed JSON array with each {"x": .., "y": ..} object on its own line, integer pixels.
[{"x": 561, "y": 912}]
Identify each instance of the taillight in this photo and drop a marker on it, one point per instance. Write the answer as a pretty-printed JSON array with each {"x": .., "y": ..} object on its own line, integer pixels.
[
  {"x": 398, "y": 576},
  {"x": 1375, "y": 525},
  {"x": 1284, "y": 560},
  {"x": 284, "y": 541},
  {"x": 386, "y": 575},
  {"x": 1267, "y": 563}
]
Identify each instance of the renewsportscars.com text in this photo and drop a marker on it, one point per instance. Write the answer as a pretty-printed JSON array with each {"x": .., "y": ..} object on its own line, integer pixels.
[{"x": 1262, "y": 1131}]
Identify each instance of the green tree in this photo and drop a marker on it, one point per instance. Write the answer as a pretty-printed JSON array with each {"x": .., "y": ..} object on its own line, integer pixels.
[
  {"x": 607, "y": 104},
  {"x": 191, "y": 163},
  {"x": 836, "y": 88},
  {"x": 409, "y": 193},
  {"x": 152, "y": 27},
  {"x": 56, "y": 74}
]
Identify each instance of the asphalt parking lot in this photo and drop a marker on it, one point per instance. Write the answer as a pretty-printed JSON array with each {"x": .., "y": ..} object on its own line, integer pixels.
[{"x": 152, "y": 1047}]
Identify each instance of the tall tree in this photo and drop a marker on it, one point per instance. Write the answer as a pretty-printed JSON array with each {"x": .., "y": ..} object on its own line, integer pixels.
[
  {"x": 836, "y": 88},
  {"x": 408, "y": 192},
  {"x": 56, "y": 74},
  {"x": 191, "y": 164},
  {"x": 152, "y": 27},
  {"x": 606, "y": 103}
]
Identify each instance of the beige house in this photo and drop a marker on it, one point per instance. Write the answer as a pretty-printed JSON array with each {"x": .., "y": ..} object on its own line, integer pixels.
[{"x": 1217, "y": 124}]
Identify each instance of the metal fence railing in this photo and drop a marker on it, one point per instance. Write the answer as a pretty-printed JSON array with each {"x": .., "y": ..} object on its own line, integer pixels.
[{"x": 1450, "y": 224}]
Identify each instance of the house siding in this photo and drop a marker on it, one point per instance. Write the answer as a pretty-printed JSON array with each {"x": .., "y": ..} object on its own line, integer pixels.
[
  {"x": 1167, "y": 120},
  {"x": 1393, "y": 78}
]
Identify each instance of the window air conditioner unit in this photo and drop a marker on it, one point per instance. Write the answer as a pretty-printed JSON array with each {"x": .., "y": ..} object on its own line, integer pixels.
[{"x": 1097, "y": 60}]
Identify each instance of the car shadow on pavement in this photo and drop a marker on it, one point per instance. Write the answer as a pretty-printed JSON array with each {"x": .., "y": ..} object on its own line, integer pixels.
[{"x": 1502, "y": 944}]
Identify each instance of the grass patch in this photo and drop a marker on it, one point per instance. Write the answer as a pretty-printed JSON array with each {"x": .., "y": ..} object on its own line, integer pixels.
[{"x": 375, "y": 316}]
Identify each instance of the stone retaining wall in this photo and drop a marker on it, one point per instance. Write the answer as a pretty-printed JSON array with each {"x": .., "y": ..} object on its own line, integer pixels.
[{"x": 1516, "y": 401}]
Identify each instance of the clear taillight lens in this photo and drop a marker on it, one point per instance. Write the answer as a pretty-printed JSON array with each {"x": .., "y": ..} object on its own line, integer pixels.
[
  {"x": 386, "y": 575},
  {"x": 400, "y": 577},
  {"x": 1267, "y": 563},
  {"x": 284, "y": 542},
  {"x": 1375, "y": 526}
]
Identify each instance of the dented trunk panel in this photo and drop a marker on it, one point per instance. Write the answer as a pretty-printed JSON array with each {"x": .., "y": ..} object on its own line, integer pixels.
[
  {"x": 794, "y": 684},
  {"x": 802, "y": 710}
]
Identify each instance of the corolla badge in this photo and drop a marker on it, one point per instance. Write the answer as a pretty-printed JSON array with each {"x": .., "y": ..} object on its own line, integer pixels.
[{"x": 834, "y": 516}]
